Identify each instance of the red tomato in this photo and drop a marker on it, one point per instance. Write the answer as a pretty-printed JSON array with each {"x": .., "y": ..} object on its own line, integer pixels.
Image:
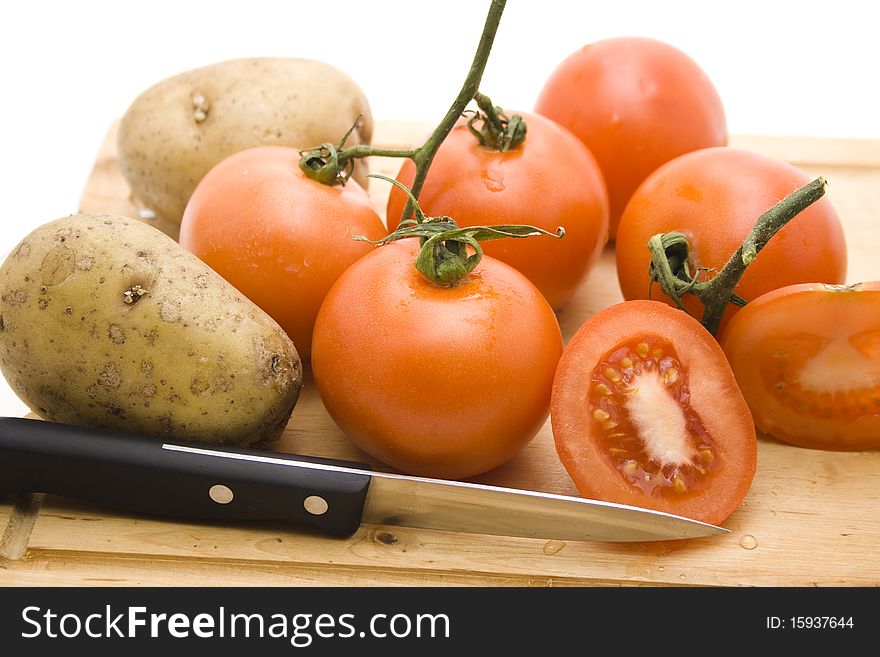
[
  {"x": 807, "y": 358},
  {"x": 551, "y": 180},
  {"x": 281, "y": 238},
  {"x": 636, "y": 103},
  {"x": 435, "y": 381},
  {"x": 646, "y": 412},
  {"x": 714, "y": 196}
]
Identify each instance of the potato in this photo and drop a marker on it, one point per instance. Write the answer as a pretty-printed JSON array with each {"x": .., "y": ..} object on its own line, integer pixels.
[
  {"x": 174, "y": 132},
  {"x": 106, "y": 322}
]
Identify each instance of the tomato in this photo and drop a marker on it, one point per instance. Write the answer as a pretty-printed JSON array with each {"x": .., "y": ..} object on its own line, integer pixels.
[
  {"x": 636, "y": 103},
  {"x": 281, "y": 238},
  {"x": 550, "y": 180},
  {"x": 645, "y": 411},
  {"x": 435, "y": 381},
  {"x": 714, "y": 196},
  {"x": 807, "y": 358}
]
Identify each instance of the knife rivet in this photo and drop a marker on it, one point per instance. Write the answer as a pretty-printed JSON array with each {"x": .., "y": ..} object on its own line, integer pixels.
[
  {"x": 221, "y": 494},
  {"x": 316, "y": 505}
]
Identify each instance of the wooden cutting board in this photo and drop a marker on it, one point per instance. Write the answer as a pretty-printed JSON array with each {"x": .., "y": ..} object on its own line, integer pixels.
[{"x": 810, "y": 518}]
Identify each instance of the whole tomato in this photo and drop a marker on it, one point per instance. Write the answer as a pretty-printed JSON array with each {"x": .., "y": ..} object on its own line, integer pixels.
[
  {"x": 436, "y": 381},
  {"x": 714, "y": 196},
  {"x": 549, "y": 180},
  {"x": 281, "y": 238},
  {"x": 636, "y": 103}
]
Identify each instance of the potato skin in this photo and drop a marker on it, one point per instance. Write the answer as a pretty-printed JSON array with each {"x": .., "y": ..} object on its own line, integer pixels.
[
  {"x": 175, "y": 131},
  {"x": 107, "y": 322}
]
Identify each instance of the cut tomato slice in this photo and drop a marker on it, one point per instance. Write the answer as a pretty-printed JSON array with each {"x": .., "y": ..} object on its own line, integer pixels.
[
  {"x": 646, "y": 411},
  {"x": 807, "y": 358}
]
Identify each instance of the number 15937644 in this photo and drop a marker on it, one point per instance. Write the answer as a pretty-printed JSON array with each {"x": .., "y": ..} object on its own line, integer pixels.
[{"x": 809, "y": 622}]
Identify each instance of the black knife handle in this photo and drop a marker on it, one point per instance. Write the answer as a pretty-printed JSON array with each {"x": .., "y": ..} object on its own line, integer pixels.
[{"x": 177, "y": 479}]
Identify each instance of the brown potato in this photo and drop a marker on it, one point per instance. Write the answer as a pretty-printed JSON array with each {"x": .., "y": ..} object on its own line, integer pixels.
[
  {"x": 174, "y": 132},
  {"x": 106, "y": 322}
]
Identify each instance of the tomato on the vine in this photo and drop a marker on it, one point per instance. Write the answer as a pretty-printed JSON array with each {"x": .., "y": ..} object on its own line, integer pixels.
[
  {"x": 636, "y": 103},
  {"x": 646, "y": 411},
  {"x": 807, "y": 358},
  {"x": 279, "y": 237},
  {"x": 549, "y": 180},
  {"x": 714, "y": 196},
  {"x": 437, "y": 381}
]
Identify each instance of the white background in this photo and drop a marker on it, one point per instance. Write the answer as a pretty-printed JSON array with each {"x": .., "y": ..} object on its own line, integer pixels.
[{"x": 70, "y": 68}]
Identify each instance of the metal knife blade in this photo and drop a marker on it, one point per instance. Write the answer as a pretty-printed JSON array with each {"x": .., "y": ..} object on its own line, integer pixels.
[
  {"x": 196, "y": 481},
  {"x": 481, "y": 509}
]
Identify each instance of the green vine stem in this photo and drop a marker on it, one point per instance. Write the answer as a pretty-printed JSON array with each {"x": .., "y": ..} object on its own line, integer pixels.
[
  {"x": 671, "y": 265},
  {"x": 330, "y": 164},
  {"x": 444, "y": 258}
]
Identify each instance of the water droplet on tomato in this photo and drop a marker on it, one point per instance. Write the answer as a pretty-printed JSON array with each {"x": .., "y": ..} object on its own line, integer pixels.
[{"x": 493, "y": 179}]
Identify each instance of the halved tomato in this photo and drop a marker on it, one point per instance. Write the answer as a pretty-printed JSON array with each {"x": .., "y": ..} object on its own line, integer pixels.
[
  {"x": 807, "y": 358},
  {"x": 645, "y": 411}
]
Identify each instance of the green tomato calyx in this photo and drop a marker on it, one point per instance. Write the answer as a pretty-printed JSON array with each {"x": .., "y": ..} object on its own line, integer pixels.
[
  {"x": 497, "y": 132},
  {"x": 450, "y": 252}
]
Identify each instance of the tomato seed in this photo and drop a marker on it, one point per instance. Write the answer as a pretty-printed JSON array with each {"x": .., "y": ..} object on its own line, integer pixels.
[{"x": 612, "y": 374}]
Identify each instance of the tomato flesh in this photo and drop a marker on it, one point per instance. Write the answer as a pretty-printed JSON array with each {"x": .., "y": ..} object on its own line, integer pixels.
[
  {"x": 640, "y": 405},
  {"x": 808, "y": 360},
  {"x": 645, "y": 411},
  {"x": 823, "y": 377}
]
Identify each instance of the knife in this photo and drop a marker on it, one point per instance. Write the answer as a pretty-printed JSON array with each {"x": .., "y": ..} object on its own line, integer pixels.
[{"x": 198, "y": 481}]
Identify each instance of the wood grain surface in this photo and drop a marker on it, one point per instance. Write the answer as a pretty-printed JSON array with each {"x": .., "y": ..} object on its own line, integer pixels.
[{"x": 810, "y": 518}]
